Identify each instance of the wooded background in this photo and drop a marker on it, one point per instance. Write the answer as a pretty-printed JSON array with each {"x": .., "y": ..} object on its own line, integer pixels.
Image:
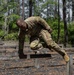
[{"x": 58, "y": 13}]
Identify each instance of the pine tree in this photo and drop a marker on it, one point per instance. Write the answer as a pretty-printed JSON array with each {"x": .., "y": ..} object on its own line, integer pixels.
[
  {"x": 65, "y": 24},
  {"x": 30, "y": 7},
  {"x": 73, "y": 10},
  {"x": 58, "y": 22}
]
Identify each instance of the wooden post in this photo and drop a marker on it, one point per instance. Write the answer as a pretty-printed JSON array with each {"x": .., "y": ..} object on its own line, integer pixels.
[
  {"x": 28, "y": 56},
  {"x": 37, "y": 63},
  {"x": 70, "y": 66}
]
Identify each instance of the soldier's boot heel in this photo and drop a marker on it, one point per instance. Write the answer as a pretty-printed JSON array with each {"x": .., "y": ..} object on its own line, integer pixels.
[{"x": 66, "y": 58}]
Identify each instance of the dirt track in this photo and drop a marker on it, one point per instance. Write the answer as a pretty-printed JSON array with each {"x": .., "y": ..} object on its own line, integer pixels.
[{"x": 10, "y": 64}]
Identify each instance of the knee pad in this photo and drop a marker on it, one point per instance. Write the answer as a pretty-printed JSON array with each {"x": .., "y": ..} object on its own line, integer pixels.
[{"x": 33, "y": 46}]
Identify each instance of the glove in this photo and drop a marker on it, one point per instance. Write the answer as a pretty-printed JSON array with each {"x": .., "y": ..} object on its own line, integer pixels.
[{"x": 50, "y": 30}]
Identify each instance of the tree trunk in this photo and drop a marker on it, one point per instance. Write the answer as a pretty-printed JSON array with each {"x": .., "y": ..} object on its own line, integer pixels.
[
  {"x": 65, "y": 24},
  {"x": 18, "y": 8},
  {"x": 58, "y": 22},
  {"x": 30, "y": 8},
  {"x": 23, "y": 14},
  {"x": 6, "y": 26},
  {"x": 69, "y": 18},
  {"x": 55, "y": 11},
  {"x": 72, "y": 10},
  {"x": 47, "y": 11}
]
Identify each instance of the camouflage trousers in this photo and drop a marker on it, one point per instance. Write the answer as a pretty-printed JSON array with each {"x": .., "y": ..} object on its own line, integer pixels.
[{"x": 35, "y": 42}]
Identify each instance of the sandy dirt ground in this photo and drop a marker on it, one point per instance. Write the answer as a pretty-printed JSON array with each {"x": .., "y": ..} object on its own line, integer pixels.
[{"x": 10, "y": 64}]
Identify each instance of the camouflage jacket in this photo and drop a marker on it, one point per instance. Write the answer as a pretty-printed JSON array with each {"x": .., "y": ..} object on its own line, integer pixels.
[{"x": 35, "y": 24}]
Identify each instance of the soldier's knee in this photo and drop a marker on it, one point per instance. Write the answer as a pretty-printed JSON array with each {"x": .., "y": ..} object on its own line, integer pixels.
[{"x": 33, "y": 46}]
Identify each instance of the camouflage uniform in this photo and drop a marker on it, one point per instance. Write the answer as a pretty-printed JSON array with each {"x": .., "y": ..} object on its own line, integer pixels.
[{"x": 39, "y": 29}]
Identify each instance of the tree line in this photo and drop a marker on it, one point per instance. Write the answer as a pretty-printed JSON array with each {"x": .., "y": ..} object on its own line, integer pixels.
[{"x": 58, "y": 13}]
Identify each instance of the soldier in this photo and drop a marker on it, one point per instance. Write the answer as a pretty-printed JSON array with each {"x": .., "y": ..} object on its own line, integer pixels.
[{"x": 37, "y": 29}]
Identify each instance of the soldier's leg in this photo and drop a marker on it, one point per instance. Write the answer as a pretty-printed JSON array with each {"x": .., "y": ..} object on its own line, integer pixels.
[
  {"x": 35, "y": 43},
  {"x": 46, "y": 36}
]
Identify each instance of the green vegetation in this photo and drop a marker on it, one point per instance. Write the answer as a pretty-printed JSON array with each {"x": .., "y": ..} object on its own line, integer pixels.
[
  {"x": 8, "y": 17},
  {"x": 54, "y": 25},
  {"x": 71, "y": 33},
  {"x": 11, "y": 36},
  {"x": 11, "y": 10}
]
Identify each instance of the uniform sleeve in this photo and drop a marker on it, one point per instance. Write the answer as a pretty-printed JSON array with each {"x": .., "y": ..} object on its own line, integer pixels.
[{"x": 43, "y": 23}]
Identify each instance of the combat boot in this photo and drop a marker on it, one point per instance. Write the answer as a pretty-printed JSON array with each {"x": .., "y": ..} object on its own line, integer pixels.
[{"x": 66, "y": 58}]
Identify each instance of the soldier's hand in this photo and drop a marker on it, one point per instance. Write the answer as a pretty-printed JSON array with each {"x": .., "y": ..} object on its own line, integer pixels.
[{"x": 50, "y": 30}]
